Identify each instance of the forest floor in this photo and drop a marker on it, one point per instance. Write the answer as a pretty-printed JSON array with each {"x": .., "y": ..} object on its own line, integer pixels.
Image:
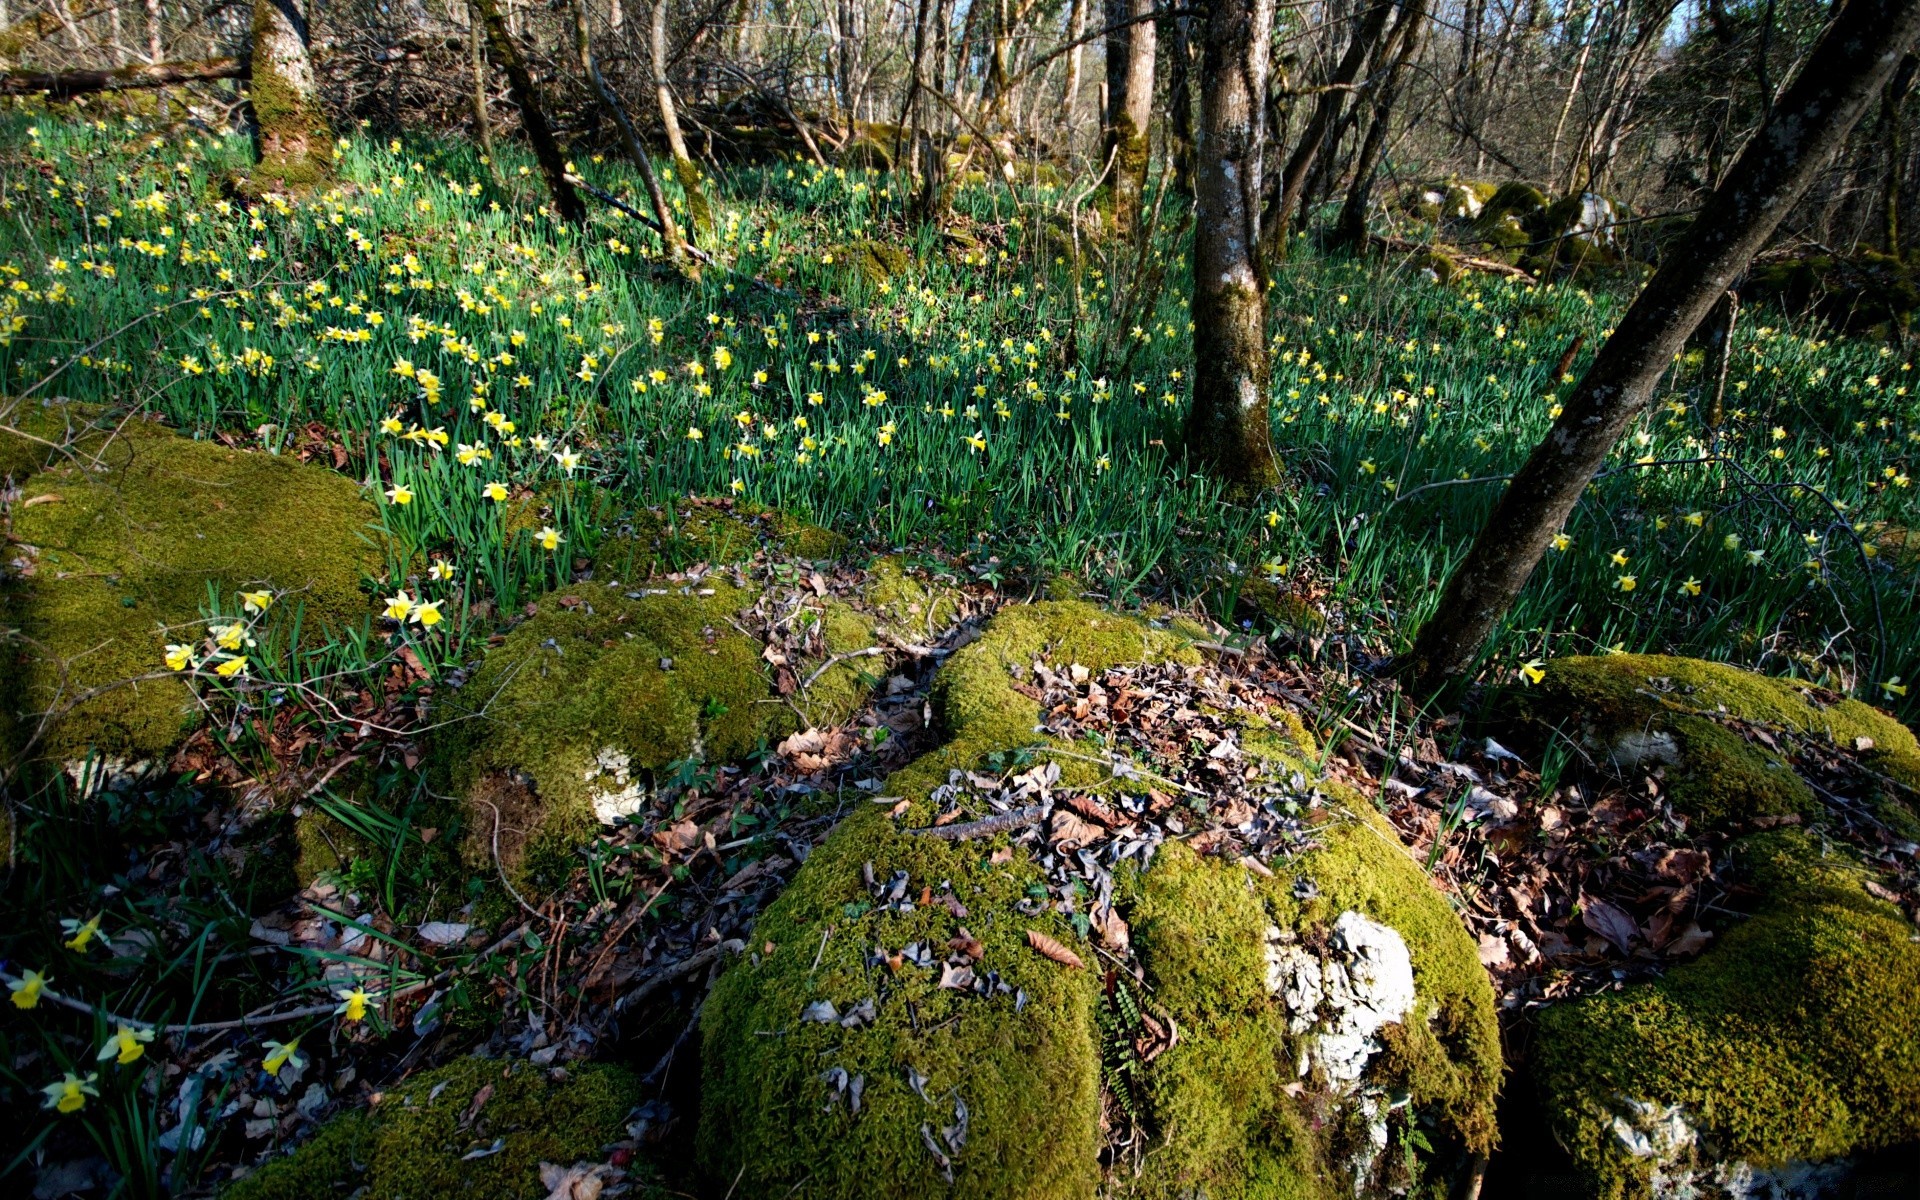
[{"x": 996, "y": 407}]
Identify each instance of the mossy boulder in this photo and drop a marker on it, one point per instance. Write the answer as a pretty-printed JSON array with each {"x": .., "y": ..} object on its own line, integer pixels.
[
  {"x": 1682, "y": 713},
  {"x": 1792, "y": 1043},
  {"x": 680, "y": 534},
  {"x": 563, "y": 723},
  {"x": 1230, "y": 1111},
  {"x": 415, "y": 1142},
  {"x": 118, "y": 553},
  {"x": 875, "y": 261},
  {"x": 1855, "y": 292},
  {"x": 1511, "y": 221},
  {"x": 36, "y": 433}
]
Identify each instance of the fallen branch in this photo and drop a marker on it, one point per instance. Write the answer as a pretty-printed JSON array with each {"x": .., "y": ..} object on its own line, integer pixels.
[
  {"x": 1018, "y": 818},
  {"x": 63, "y": 85},
  {"x": 1491, "y": 266},
  {"x": 677, "y": 970}
]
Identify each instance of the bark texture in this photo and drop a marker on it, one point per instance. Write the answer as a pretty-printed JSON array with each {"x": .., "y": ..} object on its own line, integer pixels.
[
  {"x": 699, "y": 212},
  {"x": 1228, "y": 428},
  {"x": 1844, "y": 72},
  {"x": 1130, "y": 111},
  {"x": 295, "y": 146},
  {"x": 533, "y": 118},
  {"x": 669, "y": 229}
]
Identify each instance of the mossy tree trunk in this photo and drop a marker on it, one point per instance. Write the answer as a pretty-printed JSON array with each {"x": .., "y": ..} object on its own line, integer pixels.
[
  {"x": 1893, "y": 100},
  {"x": 533, "y": 118},
  {"x": 294, "y": 147},
  {"x": 1853, "y": 59},
  {"x": 482, "y": 120},
  {"x": 1131, "y": 53},
  {"x": 1228, "y": 429},
  {"x": 699, "y": 213},
  {"x": 1283, "y": 196}
]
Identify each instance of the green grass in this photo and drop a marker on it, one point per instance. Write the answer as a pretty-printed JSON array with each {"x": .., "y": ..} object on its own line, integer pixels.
[{"x": 988, "y": 399}]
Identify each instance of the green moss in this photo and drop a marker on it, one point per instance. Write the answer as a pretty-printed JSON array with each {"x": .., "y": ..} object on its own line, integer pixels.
[
  {"x": 1793, "y": 1038},
  {"x": 682, "y": 533},
  {"x": 34, "y": 434},
  {"x": 875, "y": 261},
  {"x": 1226, "y": 1121},
  {"x": 657, "y": 678},
  {"x": 912, "y": 609},
  {"x": 1619, "y": 703},
  {"x": 123, "y": 559},
  {"x": 412, "y": 1144},
  {"x": 295, "y": 142}
]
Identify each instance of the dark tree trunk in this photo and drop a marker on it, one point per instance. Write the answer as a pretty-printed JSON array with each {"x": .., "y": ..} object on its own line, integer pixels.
[
  {"x": 1853, "y": 59},
  {"x": 64, "y": 85},
  {"x": 1351, "y": 228},
  {"x": 1285, "y": 194},
  {"x": 1180, "y": 100},
  {"x": 533, "y": 118},
  {"x": 1228, "y": 429},
  {"x": 1892, "y": 101}
]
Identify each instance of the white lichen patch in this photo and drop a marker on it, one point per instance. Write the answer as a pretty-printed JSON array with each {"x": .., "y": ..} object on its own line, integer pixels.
[
  {"x": 1338, "y": 1001},
  {"x": 1662, "y": 1135},
  {"x": 625, "y": 797}
]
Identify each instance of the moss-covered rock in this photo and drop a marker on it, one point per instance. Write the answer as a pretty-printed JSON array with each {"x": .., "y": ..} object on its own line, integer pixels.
[
  {"x": 414, "y": 1142},
  {"x": 120, "y": 550},
  {"x": 1794, "y": 1040},
  {"x": 35, "y": 433},
  {"x": 563, "y": 722},
  {"x": 1659, "y": 709},
  {"x": 875, "y": 261},
  {"x": 1854, "y": 292},
  {"x": 1229, "y": 1109},
  {"x": 680, "y": 534}
]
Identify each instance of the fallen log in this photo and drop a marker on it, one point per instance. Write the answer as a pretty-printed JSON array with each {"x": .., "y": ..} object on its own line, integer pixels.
[{"x": 63, "y": 85}]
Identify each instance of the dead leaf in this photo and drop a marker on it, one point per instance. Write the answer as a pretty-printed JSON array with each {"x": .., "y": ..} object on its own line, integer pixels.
[
  {"x": 1052, "y": 949},
  {"x": 968, "y": 945},
  {"x": 581, "y": 1181},
  {"x": 1609, "y": 922},
  {"x": 1493, "y": 950},
  {"x": 1682, "y": 866},
  {"x": 1692, "y": 940},
  {"x": 1069, "y": 829},
  {"x": 480, "y": 1099},
  {"x": 679, "y": 838}
]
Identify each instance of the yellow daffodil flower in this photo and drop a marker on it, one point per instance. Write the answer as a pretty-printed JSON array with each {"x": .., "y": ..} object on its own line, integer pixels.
[
  {"x": 70, "y": 1094},
  {"x": 400, "y": 494},
  {"x": 1561, "y": 541},
  {"x": 179, "y": 657},
  {"x": 257, "y": 602},
  {"x": 80, "y": 935},
  {"x": 548, "y": 537},
  {"x": 1691, "y": 587},
  {"x": 399, "y": 605},
  {"x": 496, "y": 492},
  {"x": 26, "y": 989},
  {"x": 353, "y": 1003},
  {"x": 1532, "y": 671},
  {"x": 426, "y": 614},
  {"x": 1626, "y": 583},
  {"x": 279, "y": 1055},
  {"x": 232, "y": 667},
  {"x": 1893, "y": 687},
  {"x": 126, "y": 1045}
]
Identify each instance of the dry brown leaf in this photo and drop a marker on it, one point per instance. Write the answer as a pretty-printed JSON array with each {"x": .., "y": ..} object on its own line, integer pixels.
[{"x": 1052, "y": 949}]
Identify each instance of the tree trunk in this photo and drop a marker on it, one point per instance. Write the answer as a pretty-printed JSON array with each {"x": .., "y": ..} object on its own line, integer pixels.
[
  {"x": 670, "y": 241},
  {"x": 482, "y": 121},
  {"x": 64, "y": 85},
  {"x": 1852, "y": 61},
  {"x": 533, "y": 118},
  {"x": 1351, "y": 228},
  {"x": 1277, "y": 220},
  {"x": 1892, "y": 101},
  {"x": 1228, "y": 427},
  {"x": 1180, "y": 101},
  {"x": 295, "y": 147},
  {"x": 1129, "y": 113},
  {"x": 1070, "y": 107},
  {"x": 699, "y": 214}
]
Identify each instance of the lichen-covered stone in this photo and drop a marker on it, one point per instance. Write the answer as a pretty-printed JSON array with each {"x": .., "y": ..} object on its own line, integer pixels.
[
  {"x": 122, "y": 546},
  {"x": 1229, "y": 1113},
  {"x": 563, "y": 722},
  {"x": 414, "y": 1143}
]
